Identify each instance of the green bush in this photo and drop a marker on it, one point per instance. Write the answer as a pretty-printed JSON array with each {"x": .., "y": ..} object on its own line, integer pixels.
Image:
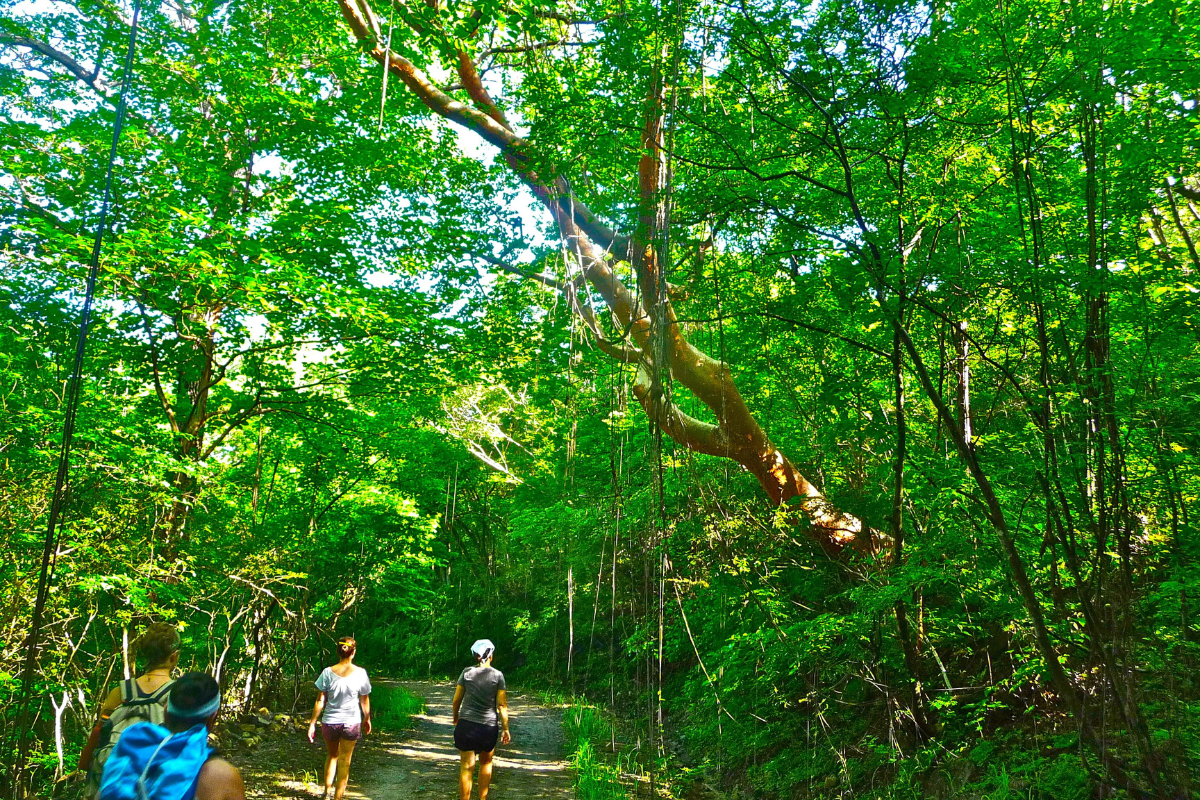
[
  {"x": 588, "y": 733},
  {"x": 393, "y": 707}
]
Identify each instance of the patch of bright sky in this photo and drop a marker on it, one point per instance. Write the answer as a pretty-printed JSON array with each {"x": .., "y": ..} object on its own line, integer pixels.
[
  {"x": 25, "y": 7},
  {"x": 808, "y": 16}
]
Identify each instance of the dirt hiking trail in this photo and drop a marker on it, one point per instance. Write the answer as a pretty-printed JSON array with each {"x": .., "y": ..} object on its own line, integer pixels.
[{"x": 422, "y": 763}]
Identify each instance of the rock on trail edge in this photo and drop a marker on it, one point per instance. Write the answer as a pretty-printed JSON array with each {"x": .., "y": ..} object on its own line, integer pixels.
[{"x": 422, "y": 763}]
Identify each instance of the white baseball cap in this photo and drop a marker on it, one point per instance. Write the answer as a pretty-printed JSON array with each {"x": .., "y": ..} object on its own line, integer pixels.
[{"x": 483, "y": 648}]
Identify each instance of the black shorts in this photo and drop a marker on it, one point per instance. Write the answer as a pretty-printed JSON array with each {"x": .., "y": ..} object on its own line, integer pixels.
[{"x": 473, "y": 736}]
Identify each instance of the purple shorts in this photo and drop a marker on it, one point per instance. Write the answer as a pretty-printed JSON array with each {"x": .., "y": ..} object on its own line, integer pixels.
[{"x": 334, "y": 733}]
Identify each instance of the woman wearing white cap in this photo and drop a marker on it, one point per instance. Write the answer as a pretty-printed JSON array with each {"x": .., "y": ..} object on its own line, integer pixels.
[{"x": 480, "y": 717}]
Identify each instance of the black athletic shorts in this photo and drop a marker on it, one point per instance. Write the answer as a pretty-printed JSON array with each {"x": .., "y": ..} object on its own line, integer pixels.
[{"x": 473, "y": 736}]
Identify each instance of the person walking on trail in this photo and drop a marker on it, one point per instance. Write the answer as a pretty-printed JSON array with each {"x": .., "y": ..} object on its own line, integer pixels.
[
  {"x": 344, "y": 708},
  {"x": 173, "y": 761},
  {"x": 480, "y": 717},
  {"x": 140, "y": 699}
]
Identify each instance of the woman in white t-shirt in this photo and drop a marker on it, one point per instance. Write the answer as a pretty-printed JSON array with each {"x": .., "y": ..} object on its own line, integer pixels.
[{"x": 345, "y": 699}]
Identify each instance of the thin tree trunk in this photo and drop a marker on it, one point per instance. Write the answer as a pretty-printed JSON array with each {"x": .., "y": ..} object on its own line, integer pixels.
[
  {"x": 570, "y": 619},
  {"x": 962, "y": 370},
  {"x": 257, "y": 477},
  {"x": 1104, "y": 427},
  {"x": 59, "y": 710},
  {"x": 1183, "y": 231},
  {"x": 587, "y": 674},
  {"x": 191, "y": 429},
  {"x": 256, "y": 641},
  {"x": 996, "y": 516},
  {"x": 912, "y": 661}
]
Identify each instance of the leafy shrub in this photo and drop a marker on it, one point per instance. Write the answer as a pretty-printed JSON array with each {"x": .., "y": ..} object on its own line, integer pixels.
[
  {"x": 596, "y": 777},
  {"x": 393, "y": 707}
]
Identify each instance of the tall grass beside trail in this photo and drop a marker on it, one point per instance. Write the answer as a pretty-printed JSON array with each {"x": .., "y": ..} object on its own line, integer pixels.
[
  {"x": 393, "y": 707},
  {"x": 589, "y": 734}
]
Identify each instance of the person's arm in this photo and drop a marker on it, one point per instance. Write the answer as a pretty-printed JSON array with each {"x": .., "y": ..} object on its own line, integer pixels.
[
  {"x": 364, "y": 702},
  {"x": 502, "y": 709},
  {"x": 106, "y": 709},
  {"x": 219, "y": 780},
  {"x": 458, "y": 698},
  {"x": 318, "y": 707}
]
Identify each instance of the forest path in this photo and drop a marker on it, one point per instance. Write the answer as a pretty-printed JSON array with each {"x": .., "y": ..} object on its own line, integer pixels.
[{"x": 422, "y": 763}]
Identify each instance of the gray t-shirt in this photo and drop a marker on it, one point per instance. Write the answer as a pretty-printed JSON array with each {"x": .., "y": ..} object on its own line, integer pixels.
[
  {"x": 341, "y": 696},
  {"x": 480, "y": 685}
]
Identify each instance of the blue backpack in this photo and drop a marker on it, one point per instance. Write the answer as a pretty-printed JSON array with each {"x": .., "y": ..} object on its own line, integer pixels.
[{"x": 151, "y": 763}]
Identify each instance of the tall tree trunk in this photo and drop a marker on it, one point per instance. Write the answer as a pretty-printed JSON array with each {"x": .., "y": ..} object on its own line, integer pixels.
[
  {"x": 1104, "y": 430},
  {"x": 256, "y": 642},
  {"x": 194, "y": 385},
  {"x": 916, "y": 688}
]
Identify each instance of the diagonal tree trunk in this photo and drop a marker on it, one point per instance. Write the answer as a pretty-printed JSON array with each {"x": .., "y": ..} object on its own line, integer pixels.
[{"x": 656, "y": 341}]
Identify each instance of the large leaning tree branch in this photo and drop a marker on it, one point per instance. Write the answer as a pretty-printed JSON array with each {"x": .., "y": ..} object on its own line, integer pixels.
[
  {"x": 82, "y": 74},
  {"x": 595, "y": 247}
]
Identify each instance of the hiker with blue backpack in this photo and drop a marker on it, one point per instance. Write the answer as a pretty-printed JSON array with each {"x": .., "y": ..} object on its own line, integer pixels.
[
  {"x": 140, "y": 699},
  {"x": 173, "y": 761}
]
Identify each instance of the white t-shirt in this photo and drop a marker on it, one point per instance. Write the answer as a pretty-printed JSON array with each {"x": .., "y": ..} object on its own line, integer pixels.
[{"x": 341, "y": 695}]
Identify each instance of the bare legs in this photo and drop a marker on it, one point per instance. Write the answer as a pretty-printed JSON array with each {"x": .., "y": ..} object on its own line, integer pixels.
[
  {"x": 485, "y": 774},
  {"x": 331, "y": 755},
  {"x": 337, "y": 763},
  {"x": 466, "y": 766}
]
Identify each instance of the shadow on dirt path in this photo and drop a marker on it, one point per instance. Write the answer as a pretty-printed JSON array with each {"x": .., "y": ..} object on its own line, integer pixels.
[{"x": 422, "y": 764}]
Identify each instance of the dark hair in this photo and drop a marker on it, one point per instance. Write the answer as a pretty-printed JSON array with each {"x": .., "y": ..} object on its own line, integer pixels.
[
  {"x": 157, "y": 643},
  {"x": 346, "y": 646},
  {"x": 189, "y": 692}
]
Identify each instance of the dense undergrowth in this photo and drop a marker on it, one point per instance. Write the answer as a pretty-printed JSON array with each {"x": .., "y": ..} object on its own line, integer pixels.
[
  {"x": 393, "y": 708},
  {"x": 594, "y": 754}
]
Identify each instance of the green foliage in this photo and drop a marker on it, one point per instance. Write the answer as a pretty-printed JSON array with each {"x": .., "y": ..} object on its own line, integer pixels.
[
  {"x": 597, "y": 767},
  {"x": 393, "y": 707}
]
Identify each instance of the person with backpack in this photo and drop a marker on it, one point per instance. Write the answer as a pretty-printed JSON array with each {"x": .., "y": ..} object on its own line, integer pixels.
[
  {"x": 480, "y": 718},
  {"x": 140, "y": 699},
  {"x": 173, "y": 761},
  {"x": 344, "y": 708}
]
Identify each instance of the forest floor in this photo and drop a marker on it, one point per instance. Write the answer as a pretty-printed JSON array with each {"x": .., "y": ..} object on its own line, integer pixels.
[{"x": 417, "y": 764}]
